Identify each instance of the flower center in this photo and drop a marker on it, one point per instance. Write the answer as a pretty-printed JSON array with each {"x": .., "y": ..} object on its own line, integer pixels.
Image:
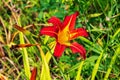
[{"x": 63, "y": 37}]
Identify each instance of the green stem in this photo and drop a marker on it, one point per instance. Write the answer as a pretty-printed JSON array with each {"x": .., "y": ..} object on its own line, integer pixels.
[
  {"x": 61, "y": 71},
  {"x": 24, "y": 54}
]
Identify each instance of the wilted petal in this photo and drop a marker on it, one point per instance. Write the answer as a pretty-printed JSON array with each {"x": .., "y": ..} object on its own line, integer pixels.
[
  {"x": 78, "y": 32},
  {"x": 34, "y": 73},
  {"x": 24, "y": 31},
  {"x": 50, "y": 31},
  {"x": 59, "y": 49},
  {"x": 69, "y": 21},
  {"x": 75, "y": 47},
  {"x": 22, "y": 46},
  {"x": 55, "y": 21}
]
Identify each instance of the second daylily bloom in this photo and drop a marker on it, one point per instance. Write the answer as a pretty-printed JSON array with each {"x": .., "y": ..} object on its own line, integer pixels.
[{"x": 64, "y": 32}]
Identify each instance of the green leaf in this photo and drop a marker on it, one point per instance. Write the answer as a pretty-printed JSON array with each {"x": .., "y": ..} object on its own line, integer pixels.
[
  {"x": 95, "y": 69},
  {"x": 117, "y": 51},
  {"x": 45, "y": 73},
  {"x": 78, "y": 77},
  {"x": 94, "y": 15},
  {"x": 90, "y": 59}
]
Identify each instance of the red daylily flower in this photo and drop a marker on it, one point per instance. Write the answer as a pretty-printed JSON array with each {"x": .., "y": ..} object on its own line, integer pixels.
[{"x": 64, "y": 32}]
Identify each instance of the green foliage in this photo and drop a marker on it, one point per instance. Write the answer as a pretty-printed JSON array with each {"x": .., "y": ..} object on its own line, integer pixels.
[{"x": 101, "y": 18}]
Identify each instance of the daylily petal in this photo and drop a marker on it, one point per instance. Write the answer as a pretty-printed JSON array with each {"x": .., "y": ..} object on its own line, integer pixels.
[
  {"x": 59, "y": 49},
  {"x": 50, "y": 31},
  {"x": 75, "y": 47},
  {"x": 78, "y": 32},
  {"x": 55, "y": 21},
  {"x": 70, "y": 20}
]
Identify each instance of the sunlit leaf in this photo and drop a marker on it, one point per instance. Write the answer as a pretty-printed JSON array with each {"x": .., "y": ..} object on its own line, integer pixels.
[
  {"x": 45, "y": 73},
  {"x": 94, "y": 15},
  {"x": 1, "y": 39},
  {"x": 78, "y": 77},
  {"x": 96, "y": 66},
  {"x": 117, "y": 51}
]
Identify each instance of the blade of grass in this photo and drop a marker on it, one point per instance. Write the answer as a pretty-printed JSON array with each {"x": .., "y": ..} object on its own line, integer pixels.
[
  {"x": 90, "y": 59},
  {"x": 45, "y": 73},
  {"x": 4, "y": 27},
  {"x": 51, "y": 46},
  {"x": 117, "y": 51},
  {"x": 78, "y": 77},
  {"x": 25, "y": 54},
  {"x": 94, "y": 15},
  {"x": 48, "y": 54},
  {"x": 25, "y": 57},
  {"x": 116, "y": 33},
  {"x": 96, "y": 46},
  {"x": 18, "y": 77},
  {"x": 61, "y": 71},
  {"x": 95, "y": 69}
]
